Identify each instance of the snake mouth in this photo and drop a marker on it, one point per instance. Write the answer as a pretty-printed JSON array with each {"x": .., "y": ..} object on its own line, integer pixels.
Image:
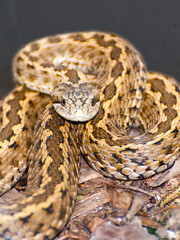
[
  {"x": 76, "y": 117},
  {"x": 79, "y": 118},
  {"x": 80, "y": 115}
]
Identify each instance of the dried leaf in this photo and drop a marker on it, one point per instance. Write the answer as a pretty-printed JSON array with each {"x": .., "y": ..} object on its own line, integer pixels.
[{"x": 128, "y": 232}]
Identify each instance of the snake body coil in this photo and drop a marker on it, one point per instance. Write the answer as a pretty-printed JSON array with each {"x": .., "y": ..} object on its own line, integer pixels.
[{"x": 98, "y": 80}]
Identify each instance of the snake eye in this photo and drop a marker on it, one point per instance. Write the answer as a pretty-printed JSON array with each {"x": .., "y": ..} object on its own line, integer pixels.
[{"x": 62, "y": 102}]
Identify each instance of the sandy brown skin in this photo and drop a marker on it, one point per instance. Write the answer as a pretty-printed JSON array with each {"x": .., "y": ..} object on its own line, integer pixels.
[
  {"x": 34, "y": 135},
  {"x": 52, "y": 176},
  {"x": 112, "y": 152}
]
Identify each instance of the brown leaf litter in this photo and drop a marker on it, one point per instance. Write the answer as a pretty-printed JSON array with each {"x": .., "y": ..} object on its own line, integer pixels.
[{"x": 112, "y": 209}]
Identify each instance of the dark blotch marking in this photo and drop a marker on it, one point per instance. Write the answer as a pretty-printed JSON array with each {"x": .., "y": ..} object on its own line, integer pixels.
[
  {"x": 34, "y": 46},
  {"x": 54, "y": 39},
  {"x": 40, "y": 181},
  {"x": 120, "y": 97},
  {"x": 49, "y": 210},
  {"x": 28, "y": 115},
  {"x": 78, "y": 37},
  {"x": 132, "y": 90},
  {"x": 97, "y": 155},
  {"x": 45, "y": 237},
  {"x": 32, "y": 58},
  {"x": 157, "y": 85},
  {"x": 103, "y": 169},
  {"x": 31, "y": 103},
  {"x": 40, "y": 163},
  {"x": 4, "y": 233},
  {"x": 36, "y": 231},
  {"x": 113, "y": 35},
  {"x": 14, "y": 145},
  {"x": 141, "y": 89},
  {"x": 169, "y": 150},
  {"x": 129, "y": 150},
  {"x": 128, "y": 50},
  {"x": 108, "y": 127},
  {"x": 19, "y": 59},
  {"x": 8, "y": 113},
  {"x": 168, "y": 99},
  {"x": 44, "y": 72},
  {"x": 175, "y": 132},
  {"x": 32, "y": 76},
  {"x": 128, "y": 71},
  {"x": 38, "y": 144},
  {"x": 69, "y": 141},
  {"x": 59, "y": 68},
  {"x": 114, "y": 155},
  {"x": 158, "y": 142},
  {"x": 109, "y": 115},
  {"x": 28, "y": 143},
  {"x": 161, "y": 163},
  {"x": 18, "y": 71},
  {"x": 163, "y": 127},
  {"x": 117, "y": 70},
  {"x": 91, "y": 141},
  {"x": 30, "y": 66},
  {"x": 38, "y": 125},
  {"x": 177, "y": 88},
  {"x": 26, "y": 53},
  {"x": 73, "y": 76},
  {"x": 45, "y": 65},
  {"x": 61, "y": 139},
  {"x": 171, "y": 113},
  {"x": 115, "y": 53},
  {"x": 109, "y": 91},
  {"x": 100, "y": 40},
  {"x": 14, "y": 119},
  {"x": 133, "y": 109},
  {"x": 143, "y": 79},
  {"x": 136, "y": 66},
  {"x": 26, "y": 219},
  {"x": 10, "y": 135},
  {"x": 144, "y": 69}
]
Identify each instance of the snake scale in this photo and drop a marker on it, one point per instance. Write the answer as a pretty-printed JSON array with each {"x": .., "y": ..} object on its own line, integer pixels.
[{"x": 79, "y": 93}]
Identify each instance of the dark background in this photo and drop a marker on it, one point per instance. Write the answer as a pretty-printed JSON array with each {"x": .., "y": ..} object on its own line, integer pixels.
[{"x": 152, "y": 26}]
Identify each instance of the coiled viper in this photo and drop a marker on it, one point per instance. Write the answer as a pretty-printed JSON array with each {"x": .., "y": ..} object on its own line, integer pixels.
[{"x": 101, "y": 72}]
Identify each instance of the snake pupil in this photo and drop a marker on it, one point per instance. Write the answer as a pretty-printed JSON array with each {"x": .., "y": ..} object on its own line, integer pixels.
[{"x": 63, "y": 102}]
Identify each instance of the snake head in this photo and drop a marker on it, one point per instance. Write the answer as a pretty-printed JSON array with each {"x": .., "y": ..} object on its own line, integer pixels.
[{"x": 77, "y": 102}]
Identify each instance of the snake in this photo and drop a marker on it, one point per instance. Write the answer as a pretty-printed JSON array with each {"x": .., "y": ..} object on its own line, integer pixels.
[{"x": 79, "y": 94}]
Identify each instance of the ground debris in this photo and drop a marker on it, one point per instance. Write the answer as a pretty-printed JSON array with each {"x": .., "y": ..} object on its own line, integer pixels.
[
  {"x": 112, "y": 209},
  {"x": 107, "y": 208}
]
